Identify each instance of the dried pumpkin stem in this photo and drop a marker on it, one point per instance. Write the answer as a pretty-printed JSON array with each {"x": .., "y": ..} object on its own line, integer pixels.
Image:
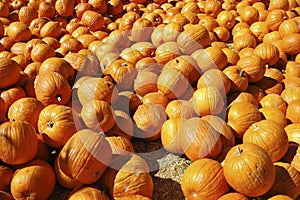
[
  {"x": 242, "y": 72},
  {"x": 50, "y": 124},
  {"x": 239, "y": 151}
]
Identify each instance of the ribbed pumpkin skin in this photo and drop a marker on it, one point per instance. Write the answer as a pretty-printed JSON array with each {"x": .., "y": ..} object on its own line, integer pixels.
[
  {"x": 270, "y": 136},
  {"x": 287, "y": 181},
  {"x": 204, "y": 179},
  {"x": 87, "y": 193},
  {"x": 249, "y": 170},
  {"x": 195, "y": 37},
  {"x": 9, "y": 72},
  {"x": 292, "y": 131},
  {"x": 87, "y": 150},
  {"x": 199, "y": 139},
  {"x": 27, "y": 181},
  {"x": 18, "y": 142},
  {"x": 128, "y": 175},
  {"x": 233, "y": 196}
]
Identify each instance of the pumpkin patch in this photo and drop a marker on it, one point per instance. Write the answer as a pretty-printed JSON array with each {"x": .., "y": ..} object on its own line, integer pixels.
[{"x": 139, "y": 99}]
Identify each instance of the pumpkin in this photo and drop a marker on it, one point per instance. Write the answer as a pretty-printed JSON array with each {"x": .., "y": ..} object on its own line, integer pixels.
[
  {"x": 172, "y": 83},
  {"x": 6, "y": 196},
  {"x": 280, "y": 197},
  {"x": 6, "y": 174},
  {"x": 171, "y": 31},
  {"x": 272, "y": 36},
  {"x": 57, "y": 123},
  {"x": 187, "y": 66},
  {"x": 287, "y": 27},
  {"x": 156, "y": 36},
  {"x": 212, "y": 8},
  {"x": 222, "y": 34},
  {"x": 51, "y": 29},
  {"x": 92, "y": 19},
  {"x": 149, "y": 120},
  {"x": 169, "y": 135},
  {"x": 254, "y": 66},
  {"x": 293, "y": 111},
  {"x": 26, "y": 182},
  {"x": 46, "y": 10},
  {"x": 128, "y": 175},
  {"x": 55, "y": 90},
  {"x": 292, "y": 69},
  {"x": 290, "y": 154},
  {"x": 87, "y": 192},
  {"x": 123, "y": 123},
  {"x": 9, "y": 72},
  {"x": 241, "y": 116},
  {"x": 166, "y": 52},
  {"x": 145, "y": 82},
  {"x": 114, "y": 7},
  {"x": 275, "y": 4},
  {"x": 208, "y": 100},
  {"x": 208, "y": 22},
  {"x": 210, "y": 58},
  {"x": 226, "y": 19},
  {"x": 97, "y": 89},
  {"x": 21, "y": 140},
  {"x": 26, "y": 109},
  {"x": 238, "y": 77},
  {"x": 249, "y": 14},
  {"x": 63, "y": 179},
  {"x": 180, "y": 109},
  {"x": 82, "y": 152},
  {"x": 269, "y": 135},
  {"x": 287, "y": 181},
  {"x": 147, "y": 49},
  {"x": 215, "y": 78},
  {"x": 219, "y": 124},
  {"x": 289, "y": 43},
  {"x": 40, "y": 52},
  {"x": 233, "y": 196},
  {"x": 18, "y": 31},
  {"x": 295, "y": 162},
  {"x": 245, "y": 163},
  {"x": 122, "y": 72},
  {"x": 141, "y": 30},
  {"x": 100, "y": 5},
  {"x": 204, "y": 178},
  {"x": 270, "y": 85},
  {"x": 274, "y": 18},
  {"x": 193, "y": 38},
  {"x": 241, "y": 97},
  {"x": 199, "y": 139},
  {"x": 275, "y": 115},
  {"x": 120, "y": 145},
  {"x": 268, "y": 52},
  {"x": 290, "y": 94},
  {"x": 98, "y": 115},
  {"x": 64, "y": 8},
  {"x": 274, "y": 73},
  {"x": 292, "y": 131},
  {"x": 128, "y": 102},
  {"x": 153, "y": 98}
]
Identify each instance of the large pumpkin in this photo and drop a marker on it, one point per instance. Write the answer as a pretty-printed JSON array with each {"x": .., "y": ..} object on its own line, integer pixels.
[
  {"x": 52, "y": 88},
  {"x": 18, "y": 142},
  {"x": 26, "y": 109},
  {"x": 9, "y": 72},
  {"x": 270, "y": 136},
  {"x": 204, "y": 179},
  {"x": 57, "y": 123},
  {"x": 249, "y": 170},
  {"x": 26, "y": 182},
  {"x": 128, "y": 175},
  {"x": 199, "y": 139},
  {"x": 85, "y": 156}
]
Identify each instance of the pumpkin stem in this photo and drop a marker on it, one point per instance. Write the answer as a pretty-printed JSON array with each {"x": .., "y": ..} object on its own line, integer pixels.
[
  {"x": 255, "y": 127},
  {"x": 50, "y": 124},
  {"x": 239, "y": 151},
  {"x": 59, "y": 98},
  {"x": 242, "y": 73},
  {"x": 124, "y": 64}
]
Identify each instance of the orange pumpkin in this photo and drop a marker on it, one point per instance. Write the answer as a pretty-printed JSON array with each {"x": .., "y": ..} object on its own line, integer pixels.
[
  {"x": 82, "y": 152},
  {"x": 6, "y": 174},
  {"x": 233, "y": 196},
  {"x": 141, "y": 30},
  {"x": 263, "y": 134},
  {"x": 239, "y": 78},
  {"x": 289, "y": 42},
  {"x": 180, "y": 109},
  {"x": 18, "y": 137},
  {"x": 145, "y": 82},
  {"x": 123, "y": 123},
  {"x": 55, "y": 90},
  {"x": 128, "y": 102},
  {"x": 87, "y": 193},
  {"x": 153, "y": 98},
  {"x": 9, "y": 72},
  {"x": 199, "y": 139},
  {"x": 18, "y": 31},
  {"x": 98, "y": 115},
  {"x": 26, "y": 182},
  {"x": 268, "y": 52},
  {"x": 120, "y": 145},
  {"x": 293, "y": 111},
  {"x": 274, "y": 114},
  {"x": 245, "y": 163},
  {"x": 204, "y": 179},
  {"x": 241, "y": 116},
  {"x": 295, "y": 162}
]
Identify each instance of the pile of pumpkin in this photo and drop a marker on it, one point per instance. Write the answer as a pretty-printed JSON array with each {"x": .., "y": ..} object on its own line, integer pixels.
[{"x": 217, "y": 81}]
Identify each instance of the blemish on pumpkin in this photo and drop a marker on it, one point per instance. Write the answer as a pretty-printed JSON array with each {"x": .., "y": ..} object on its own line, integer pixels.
[
  {"x": 97, "y": 173},
  {"x": 50, "y": 124}
]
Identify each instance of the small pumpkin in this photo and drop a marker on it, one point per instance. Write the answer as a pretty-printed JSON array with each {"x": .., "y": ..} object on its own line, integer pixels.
[
  {"x": 263, "y": 134},
  {"x": 233, "y": 196},
  {"x": 98, "y": 115},
  {"x": 21, "y": 140},
  {"x": 6, "y": 174},
  {"x": 51, "y": 29},
  {"x": 41, "y": 52},
  {"x": 127, "y": 101},
  {"x": 199, "y": 177},
  {"x": 290, "y": 94},
  {"x": 9, "y": 72},
  {"x": 166, "y": 52},
  {"x": 11, "y": 95},
  {"x": 293, "y": 111},
  {"x": 247, "y": 162},
  {"x": 141, "y": 30},
  {"x": 93, "y": 20},
  {"x": 171, "y": 31},
  {"x": 26, "y": 181},
  {"x": 289, "y": 43},
  {"x": 18, "y": 31},
  {"x": 123, "y": 123},
  {"x": 180, "y": 109},
  {"x": 268, "y": 52},
  {"x": 120, "y": 145},
  {"x": 145, "y": 82},
  {"x": 275, "y": 115},
  {"x": 64, "y": 8},
  {"x": 153, "y": 98}
]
